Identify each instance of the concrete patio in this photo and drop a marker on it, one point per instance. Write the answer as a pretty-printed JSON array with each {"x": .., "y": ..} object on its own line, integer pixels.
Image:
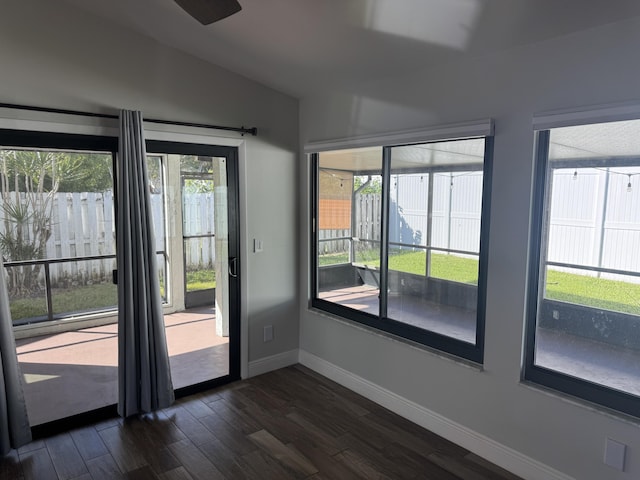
[
  {"x": 605, "y": 364},
  {"x": 74, "y": 372}
]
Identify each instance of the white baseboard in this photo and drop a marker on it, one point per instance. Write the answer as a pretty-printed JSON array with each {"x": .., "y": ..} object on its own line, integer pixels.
[
  {"x": 274, "y": 362},
  {"x": 482, "y": 446}
]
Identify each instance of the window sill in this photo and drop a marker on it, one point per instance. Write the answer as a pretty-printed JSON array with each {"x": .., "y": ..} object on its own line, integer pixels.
[
  {"x": 582, "y": 403},
  {"x": 440, "y": 354}
]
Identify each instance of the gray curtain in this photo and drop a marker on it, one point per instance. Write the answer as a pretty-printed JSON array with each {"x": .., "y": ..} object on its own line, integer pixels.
[
  {"x": 14, "y": 422},
  {"x": 144, "y": 377}
]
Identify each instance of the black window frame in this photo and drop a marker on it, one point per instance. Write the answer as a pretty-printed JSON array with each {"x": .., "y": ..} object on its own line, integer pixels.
[
  {"x": 449, "y": 345},
  {"x": 576, "y": 387}
]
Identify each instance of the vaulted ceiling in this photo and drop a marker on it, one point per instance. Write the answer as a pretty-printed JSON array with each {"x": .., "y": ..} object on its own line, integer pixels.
[{"x": 304, "y": 46}]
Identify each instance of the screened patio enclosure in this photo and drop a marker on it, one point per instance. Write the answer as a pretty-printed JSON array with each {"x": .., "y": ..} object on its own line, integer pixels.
[{"x": 399, "y": 233}]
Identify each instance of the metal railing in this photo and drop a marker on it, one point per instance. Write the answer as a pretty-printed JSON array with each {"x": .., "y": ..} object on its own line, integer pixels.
[
  {"x": 46, "y": 263},
  {"x": 427, "y": 249},
  {"x": 48, "y": 285},
  {"x": 613, "y": 271}
]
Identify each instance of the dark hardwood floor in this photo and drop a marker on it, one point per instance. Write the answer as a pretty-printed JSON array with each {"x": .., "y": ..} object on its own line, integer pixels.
[{"x": 287, "y": 424}]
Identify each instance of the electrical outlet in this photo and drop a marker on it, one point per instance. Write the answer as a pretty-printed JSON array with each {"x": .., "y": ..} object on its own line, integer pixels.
[
  {"x": 268, "y": 333},
  {"x": 614, "y": 453},
  {"x": 556, "y": 315}
]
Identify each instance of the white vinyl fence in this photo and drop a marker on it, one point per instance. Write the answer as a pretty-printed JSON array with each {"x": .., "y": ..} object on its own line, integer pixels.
[
  {"x": 455, "y": 216},
  {"x": 457, "y": 203},
  {"x": 83, "y": 225},
  {"x": 595, "y": 220}
]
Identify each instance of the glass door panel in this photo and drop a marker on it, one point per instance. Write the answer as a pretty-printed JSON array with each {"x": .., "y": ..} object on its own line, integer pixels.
[
  {"x": 198, "y": 337},
  {"x": 198, "y": 230},
  {"x": 57, "y": 237}
]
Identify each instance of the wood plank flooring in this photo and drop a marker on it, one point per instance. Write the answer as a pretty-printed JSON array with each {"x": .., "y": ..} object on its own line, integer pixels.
[{"x": 287, "y": 424}]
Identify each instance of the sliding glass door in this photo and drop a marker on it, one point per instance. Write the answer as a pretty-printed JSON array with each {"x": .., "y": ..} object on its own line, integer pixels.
[{"x": 57, "y": 239}]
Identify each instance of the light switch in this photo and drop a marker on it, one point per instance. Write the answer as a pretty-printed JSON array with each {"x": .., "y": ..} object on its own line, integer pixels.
[{"x": 257, "y": 245}]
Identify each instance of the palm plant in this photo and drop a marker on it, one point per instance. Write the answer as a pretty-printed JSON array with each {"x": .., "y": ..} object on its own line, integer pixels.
[{"x": 29, "y": 181}]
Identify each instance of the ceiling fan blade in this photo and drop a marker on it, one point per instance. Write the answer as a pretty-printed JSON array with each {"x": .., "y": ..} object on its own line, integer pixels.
[{"x": 209, "y": 11}]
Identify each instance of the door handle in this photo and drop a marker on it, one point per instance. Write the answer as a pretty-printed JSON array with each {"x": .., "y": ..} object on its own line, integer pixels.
[{"x": 233, "y": 267}]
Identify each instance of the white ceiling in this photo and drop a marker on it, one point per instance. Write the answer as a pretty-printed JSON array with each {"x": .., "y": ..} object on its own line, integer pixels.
[{"x": 301, "y": 47}]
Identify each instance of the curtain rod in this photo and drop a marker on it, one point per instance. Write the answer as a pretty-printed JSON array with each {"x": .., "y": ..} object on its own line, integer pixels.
[{"x": 253, "y": 130}]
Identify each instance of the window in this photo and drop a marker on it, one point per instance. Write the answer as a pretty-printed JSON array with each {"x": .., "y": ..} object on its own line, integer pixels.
[
  {"x": 400, "y": 239},
  {"x": 584, "y": 300},
  {"x": 349, "y": 228}
]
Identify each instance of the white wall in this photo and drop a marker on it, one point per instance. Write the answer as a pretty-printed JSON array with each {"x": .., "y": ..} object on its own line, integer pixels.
[
  {"x": 54, "y": 56},
  {"x": 593, "y": 67}
]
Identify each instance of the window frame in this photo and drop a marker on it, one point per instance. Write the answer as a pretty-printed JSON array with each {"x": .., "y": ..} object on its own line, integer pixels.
[
  {"x": 458, "y": 348},
  {"x": 574, "y": 386}
]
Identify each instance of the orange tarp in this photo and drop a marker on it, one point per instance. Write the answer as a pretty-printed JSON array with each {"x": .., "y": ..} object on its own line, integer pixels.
[{"x": 334, "y": 214}]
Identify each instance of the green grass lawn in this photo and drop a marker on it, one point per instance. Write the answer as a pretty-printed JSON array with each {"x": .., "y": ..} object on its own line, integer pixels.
[
  {"x": 101, "y": 295},
  {"x": 593, "y": 292},
  {"x": 27, "y": 307},
  {"x": 565, "y": 287},
  {"x": 201, "y": 279},
  {"x": 91, "y": 297},
  {"x": 333, "y": 258},
  {"x": 448, "y": 267}
]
